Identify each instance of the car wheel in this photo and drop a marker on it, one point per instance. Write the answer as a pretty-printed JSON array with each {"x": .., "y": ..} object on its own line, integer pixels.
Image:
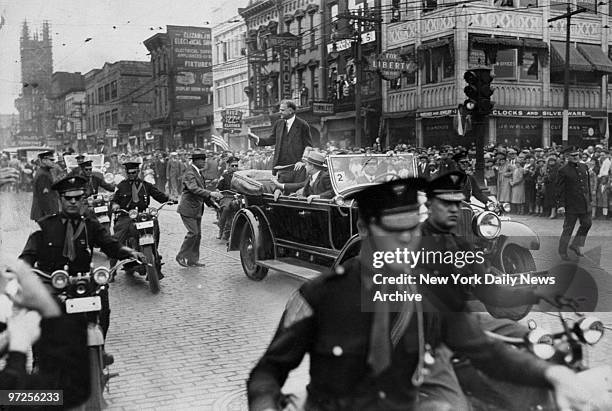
[
  {"x": 515, "y": 259},
  {"x": 248, "y": 258}
]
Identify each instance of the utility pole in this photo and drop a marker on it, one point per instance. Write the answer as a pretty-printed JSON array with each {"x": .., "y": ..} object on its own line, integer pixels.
[
  {"x": 568, "y": 18},
  {"x": 360, "y": 18}
]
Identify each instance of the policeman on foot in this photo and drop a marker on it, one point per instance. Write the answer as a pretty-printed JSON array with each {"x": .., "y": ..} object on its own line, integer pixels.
[
  {"x": 365, "y": 357},
  {"x": 68, "y": 239}
]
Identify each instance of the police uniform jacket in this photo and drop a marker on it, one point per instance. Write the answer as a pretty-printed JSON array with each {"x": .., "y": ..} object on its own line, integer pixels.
[
  {"x": 471, "y": 188},
  {"x": 194, "y": 195},
  {"x": 46, "y": 245},
  {"x": 288, "y": 146},
  {"x": 123, "y": 195},
  {"x": 437, "y": 240},
  {"x": 45, "y": 200},
  {"x": 94, "y": 182},
  {"x": 324, "y": 318},
  {"x": 63, "y": 362},
  {"x": 573, "y": 188},
  {"x": 225, "y": 182}
]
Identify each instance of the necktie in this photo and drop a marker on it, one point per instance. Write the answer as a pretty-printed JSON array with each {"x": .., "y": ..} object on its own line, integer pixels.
[
  {"x": 135, "y": 191},
  {"x": 69, "y": 251}
]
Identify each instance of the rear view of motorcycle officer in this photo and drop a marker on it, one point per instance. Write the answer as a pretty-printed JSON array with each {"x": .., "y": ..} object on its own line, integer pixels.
[
  {"x": 68, "y": 239},
  {"x": 374, "y": 361},
  {"x": 134, "y": 193}
]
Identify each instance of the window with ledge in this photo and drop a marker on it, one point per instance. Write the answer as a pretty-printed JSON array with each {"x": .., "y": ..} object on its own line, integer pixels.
[
  {"x": 429, "y": 5},
  {"x": 509, "y": 67},
  {"x": 438, "y": 65},
  {"x": 113, "y": 89}
]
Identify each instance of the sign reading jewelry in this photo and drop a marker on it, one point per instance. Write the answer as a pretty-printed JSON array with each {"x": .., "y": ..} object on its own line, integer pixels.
[{"x": 192, "y": 57}]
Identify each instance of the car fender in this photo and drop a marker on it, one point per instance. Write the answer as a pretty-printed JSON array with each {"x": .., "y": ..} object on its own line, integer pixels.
[
  {"x": 348, "y": 250},
  {"x": 519, "y": 234},
  {"x": 262, "y": 237}
]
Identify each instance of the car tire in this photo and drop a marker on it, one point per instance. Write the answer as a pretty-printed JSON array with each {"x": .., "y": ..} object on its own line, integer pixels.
[
  {"x": 515, "y": 259},
  {"x": 248, "y": 258}
]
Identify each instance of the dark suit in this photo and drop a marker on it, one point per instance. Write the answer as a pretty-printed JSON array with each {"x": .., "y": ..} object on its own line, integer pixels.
[
  {"x": 292, "y": 179},
  {"x": 45, "y": 200},
  {"x": 322, "y": 186},
  {"x": 325, "y": 318},
  {"x": 191, "y": 208},
  {"x": 289, "y": 146},
  {"x": 574, "y": 193}
]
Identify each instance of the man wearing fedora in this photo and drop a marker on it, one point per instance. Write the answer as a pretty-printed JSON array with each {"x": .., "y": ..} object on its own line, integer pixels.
[
  {"x": 318, "y": 184},
  {"x": 191, "y": 207},
  {"x": 573, "y": 199},
  {"x": 290, "y": 135}
]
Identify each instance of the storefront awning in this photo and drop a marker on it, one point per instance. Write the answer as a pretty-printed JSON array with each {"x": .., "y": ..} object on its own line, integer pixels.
[
  {"x": 433, "y": 45},
  {"x": 577, "y": 60},
  {"x": 595, "y": 55}
]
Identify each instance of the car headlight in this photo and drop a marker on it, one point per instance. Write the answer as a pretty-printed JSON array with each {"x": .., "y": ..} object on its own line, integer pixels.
[
  {"x": 59, "y": 279},
  {"x": 101, "y": 275},
  {"x": 506, "y": 207},
  {"x": 541, "y": 343},
  {"x": 153, "y": 212},
  {"x": 589, "y": 330},
  {"x": 339, "y": 200},
  {"x": 133, "y": 214},
  {"x": 487, "y": 225},
  {"x": 491, "y": 206}
]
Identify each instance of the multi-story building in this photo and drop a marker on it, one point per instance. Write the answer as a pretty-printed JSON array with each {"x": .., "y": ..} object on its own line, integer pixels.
[
  {"x": 230, "y": 78},
  {"x": 437, "y": 43},
  {"x": 36, "y": 122},
  {"x": 118, "y": 95},
  {"x": 181, "y": 63},
  {"x": 67, "y": 96},
  {"x": 285, "y": 51}
]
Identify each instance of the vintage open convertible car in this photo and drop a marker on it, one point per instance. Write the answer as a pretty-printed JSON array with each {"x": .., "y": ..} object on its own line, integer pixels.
[{"x": 305, "y": 239}]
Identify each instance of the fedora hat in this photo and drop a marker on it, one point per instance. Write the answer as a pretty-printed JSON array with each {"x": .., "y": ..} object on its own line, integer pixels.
[{"x": 316, "y": 159}]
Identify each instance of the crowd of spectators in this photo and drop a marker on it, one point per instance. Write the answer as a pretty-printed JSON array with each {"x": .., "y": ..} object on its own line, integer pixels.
[{"x": 524, "y": 178}]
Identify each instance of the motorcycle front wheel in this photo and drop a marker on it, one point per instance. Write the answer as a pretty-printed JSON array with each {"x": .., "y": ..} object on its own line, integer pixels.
[
  {"x": 96, "y": 398},
  {"x": 152, "y": 274}
]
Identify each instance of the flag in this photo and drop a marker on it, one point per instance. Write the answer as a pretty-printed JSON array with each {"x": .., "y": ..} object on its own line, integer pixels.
[
  {"x": 2, "y": 21},
  {"x": 216, "y": 140}
]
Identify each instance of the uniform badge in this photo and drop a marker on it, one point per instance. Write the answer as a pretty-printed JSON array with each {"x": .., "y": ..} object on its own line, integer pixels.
[{"x": 297, "y": 309}]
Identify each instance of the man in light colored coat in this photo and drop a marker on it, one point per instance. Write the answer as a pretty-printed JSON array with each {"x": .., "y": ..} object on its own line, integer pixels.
[{"x": 191, "y": 207}]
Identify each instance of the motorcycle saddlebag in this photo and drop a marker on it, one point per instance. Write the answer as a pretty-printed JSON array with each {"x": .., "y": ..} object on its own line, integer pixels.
[{"x": 251, "y": 182}]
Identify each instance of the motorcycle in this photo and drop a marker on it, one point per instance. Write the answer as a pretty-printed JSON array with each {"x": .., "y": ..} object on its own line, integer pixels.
[
  {"x": 98, "y": 204},
  {"x": 80, "y": 294},
  {"x": 566, "y": 347},
  {"x": 146, "y": 242}
]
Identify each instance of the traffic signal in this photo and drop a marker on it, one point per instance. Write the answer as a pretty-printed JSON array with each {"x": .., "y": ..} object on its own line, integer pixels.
[{"x": 478, "y": 91}]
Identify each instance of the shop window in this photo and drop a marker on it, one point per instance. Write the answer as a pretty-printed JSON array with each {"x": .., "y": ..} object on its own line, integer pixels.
[
  {"x": 530, "y": 69},
  {"x": 505, "y": 67}
]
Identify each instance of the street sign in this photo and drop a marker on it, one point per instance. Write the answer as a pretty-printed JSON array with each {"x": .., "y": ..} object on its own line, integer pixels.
[
  {"x": 257, "y": 57},
  {"x": 345, "y": 44}
]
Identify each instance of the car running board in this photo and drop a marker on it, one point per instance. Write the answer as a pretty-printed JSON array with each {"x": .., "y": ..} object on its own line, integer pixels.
[{"x": 295, "y": 268}]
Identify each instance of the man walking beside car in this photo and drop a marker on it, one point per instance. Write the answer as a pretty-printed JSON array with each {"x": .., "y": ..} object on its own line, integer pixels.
[{"x": 191, "y": 207}]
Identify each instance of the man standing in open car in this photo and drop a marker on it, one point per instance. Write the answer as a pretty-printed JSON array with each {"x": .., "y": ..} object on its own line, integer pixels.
[{"x": 362, "y": 360}]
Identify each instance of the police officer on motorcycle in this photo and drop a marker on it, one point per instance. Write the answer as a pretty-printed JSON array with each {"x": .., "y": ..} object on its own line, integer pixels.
[
  {"x": 68, "y": 239},
  {"x": 134, "y": 193},
  {"x": 94, "y": 181},
  {"x": 366, "y": 357}
]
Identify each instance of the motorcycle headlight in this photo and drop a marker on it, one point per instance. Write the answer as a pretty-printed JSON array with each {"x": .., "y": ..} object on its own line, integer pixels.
[
  {"x": 105, "y": 198},
  {"x": 491, "y": 206},
  {"x": 133, "y": 214},
  {"x": 506, "y": 207},
  {"x": 90, "y": 201},
  {"x": 109, "y": 178},
  {"x": 487, "y": 225},
  {"x": 81, "y": 287},
  {"x": 143, "y": 216},
  {"x": 589, "y": 330},
  {"x": 59, "y": 279},
  {"x": 541, "y": 343},
  {"x": 153, "y": 212},
  {"x": 101, "y": 275}
]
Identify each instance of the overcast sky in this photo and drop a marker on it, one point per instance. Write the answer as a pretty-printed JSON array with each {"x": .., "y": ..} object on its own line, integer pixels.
[{"x": 117, "y": 29}]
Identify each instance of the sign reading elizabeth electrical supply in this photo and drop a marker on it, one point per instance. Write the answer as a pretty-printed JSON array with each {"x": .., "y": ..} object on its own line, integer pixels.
[
  {"x": 192, "y": 57},
  {"x": 390, "y": 65}
]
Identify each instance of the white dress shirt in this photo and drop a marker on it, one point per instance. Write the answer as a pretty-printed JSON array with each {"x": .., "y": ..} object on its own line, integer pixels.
[{"x": 290, "y": 123}]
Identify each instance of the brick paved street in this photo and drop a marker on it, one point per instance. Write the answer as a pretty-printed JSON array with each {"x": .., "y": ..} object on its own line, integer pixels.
[{"x": 192, "y": 345}]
